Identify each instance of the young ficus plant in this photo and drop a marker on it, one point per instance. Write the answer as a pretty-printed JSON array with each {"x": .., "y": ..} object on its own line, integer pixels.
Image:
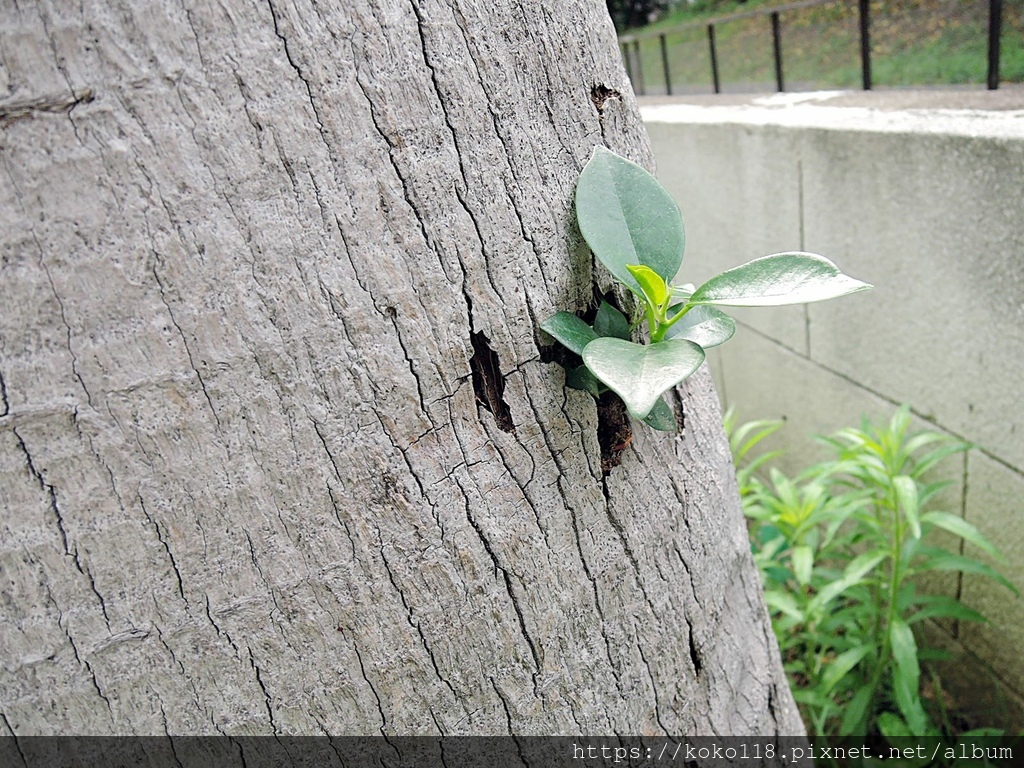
[{"x": 634, "y": 227}]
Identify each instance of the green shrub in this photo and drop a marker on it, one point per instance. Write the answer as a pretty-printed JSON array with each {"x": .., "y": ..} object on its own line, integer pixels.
[{"x": 841, "y": 548}]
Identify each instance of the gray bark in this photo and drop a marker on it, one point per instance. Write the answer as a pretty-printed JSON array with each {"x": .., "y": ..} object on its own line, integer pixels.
[{"x": 250, "y": 482}]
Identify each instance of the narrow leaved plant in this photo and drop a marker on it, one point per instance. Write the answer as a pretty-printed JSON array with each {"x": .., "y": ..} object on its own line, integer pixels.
[
  {"x": 634, "y": 227},
  {"x": 841, "y": 548}
]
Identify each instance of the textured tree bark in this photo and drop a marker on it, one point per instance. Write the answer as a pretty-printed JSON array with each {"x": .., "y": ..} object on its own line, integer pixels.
[{"x": 279, "y": 448}]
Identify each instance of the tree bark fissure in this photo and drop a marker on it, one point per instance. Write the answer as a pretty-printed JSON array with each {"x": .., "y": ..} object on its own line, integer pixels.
[
  {"x": 3, "y": 394},
  {"x": 416, "y": 625},
  {"x": 82, "y": 662},
  {"x": 267, "y": 699},
  {"x": 69, "y": 550},
  {"x": 170, "y": 556},
  {"x": 506, "y": 581}
]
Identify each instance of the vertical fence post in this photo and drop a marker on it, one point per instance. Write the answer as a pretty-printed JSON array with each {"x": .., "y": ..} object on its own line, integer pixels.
[
  {"x": 626, "y": 59},
  {"x": 638, "y": 86},
  {"x": 664, "y": 65},
  {"x": 995, "y": 22},
  {"x": 865, "y": 43},
  {"x": 777, "y": 48},
  {"x": 714, "y": 59}
]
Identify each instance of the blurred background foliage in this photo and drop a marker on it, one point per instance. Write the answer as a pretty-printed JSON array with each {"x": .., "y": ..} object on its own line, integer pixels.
[{"x": 913, "y": 43}]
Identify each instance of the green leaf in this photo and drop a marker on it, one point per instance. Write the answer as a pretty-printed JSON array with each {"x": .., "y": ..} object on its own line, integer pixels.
[
  {"x": 627, "y": 217},
  {"x": 843, "y": 663},
  {"x": 906, "y": 495},
  {"x": 857, "y": 711},
  {"x": 940, "y": 560},
  {"x": 892, "y": 726},
  {"x": 611, "y": 322},
  {"x": 944, "y": 607},
  {"x": 784, "y": 602},
  {"x": 641, "y": 374},
  {"x": 904, "y": 649},
  {"x": 907, "y": 676},
  {"x": 960, "y": 527},
  {"x": 781, "y": 278},
  {"x": 661, "y": 417},
  {"x": 652, "y": 284},
  {"x": 581, "y": 378},
  {"x": 853, "y": 575},
  {"x": 803, "y": 563},
  {"x": 703, "y": 325},
  {"x": 572, "y": 332}
]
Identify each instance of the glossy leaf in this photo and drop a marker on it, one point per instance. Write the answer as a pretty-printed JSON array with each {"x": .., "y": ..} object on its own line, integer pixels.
[
  {"x": 661, "y": 417},
  {"x": 652, "y": 284},
  {"x": 611, "y": 322},
  {"x": 781, "y": 278},
  {"x": 703, "y": 325},
  {"x": 581, "y": 378},
  {"x": 572, "y": 332},
  {"x": 641, "y": 374},
  {"x": 627, "y": 217}
]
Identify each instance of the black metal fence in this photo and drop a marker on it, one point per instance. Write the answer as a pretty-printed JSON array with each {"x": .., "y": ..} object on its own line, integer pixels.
[{"x": 630, "y": 43}]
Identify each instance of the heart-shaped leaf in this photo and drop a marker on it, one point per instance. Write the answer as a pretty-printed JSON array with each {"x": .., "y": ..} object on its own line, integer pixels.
[
  {"x": 782, "y": 278},
  {"x": 611, "y": 322},
  {"x": 570, "y": 331},
  {"x": 703, "y": 325},
  {"x": 627, "y": 217},
  {"x": 661, "y": 417},
  {"x": 640, "y": 374}
]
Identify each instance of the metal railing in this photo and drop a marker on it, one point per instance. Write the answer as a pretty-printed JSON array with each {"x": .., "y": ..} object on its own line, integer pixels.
[{"x": 630, "y": 43}]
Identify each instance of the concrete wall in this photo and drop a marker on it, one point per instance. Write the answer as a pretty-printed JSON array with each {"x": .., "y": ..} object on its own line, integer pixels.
[{"x": 928, "y": 205}]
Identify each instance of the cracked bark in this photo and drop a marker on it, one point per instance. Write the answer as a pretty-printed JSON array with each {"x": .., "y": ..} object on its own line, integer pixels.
[{"x": 245, "y": 252}]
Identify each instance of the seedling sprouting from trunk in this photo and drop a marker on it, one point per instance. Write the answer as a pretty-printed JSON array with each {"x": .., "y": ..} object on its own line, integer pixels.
[{"x": 634, "y": 227}]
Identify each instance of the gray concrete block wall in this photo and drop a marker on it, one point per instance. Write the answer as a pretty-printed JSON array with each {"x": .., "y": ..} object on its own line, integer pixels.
[{"x": 928, "y": 205}]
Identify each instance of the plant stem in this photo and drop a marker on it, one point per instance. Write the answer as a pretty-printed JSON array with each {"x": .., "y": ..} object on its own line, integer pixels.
[{"x": 658, "y": 333}]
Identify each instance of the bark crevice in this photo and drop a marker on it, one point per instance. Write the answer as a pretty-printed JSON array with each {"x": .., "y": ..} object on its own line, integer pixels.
[
  {"x": 167, "y": 548},
  {"x": 44, "y": 104},
  {"x": 416, "y": 625},
  {"x": 488, "y": 381},
  {"x": 507, "y": 580}
]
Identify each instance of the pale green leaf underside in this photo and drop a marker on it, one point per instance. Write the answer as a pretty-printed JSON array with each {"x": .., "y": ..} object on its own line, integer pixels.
[
  {"x": 627, "y": 217},
  {"x": 705, "y": 326},
  {"x": 641, "y": 374},
  {"x": 778, "y": 279}
]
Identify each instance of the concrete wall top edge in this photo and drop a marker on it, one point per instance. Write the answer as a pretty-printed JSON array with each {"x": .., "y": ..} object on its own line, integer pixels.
[{"x": 1005, "y": 124}]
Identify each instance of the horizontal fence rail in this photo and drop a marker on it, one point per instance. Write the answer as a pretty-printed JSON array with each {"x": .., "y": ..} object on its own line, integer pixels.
[{"x": 629, "y": 44}]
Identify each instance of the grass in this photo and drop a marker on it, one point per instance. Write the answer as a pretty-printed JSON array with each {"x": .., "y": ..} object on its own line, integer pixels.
[{"x": 914, "y": 43}]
